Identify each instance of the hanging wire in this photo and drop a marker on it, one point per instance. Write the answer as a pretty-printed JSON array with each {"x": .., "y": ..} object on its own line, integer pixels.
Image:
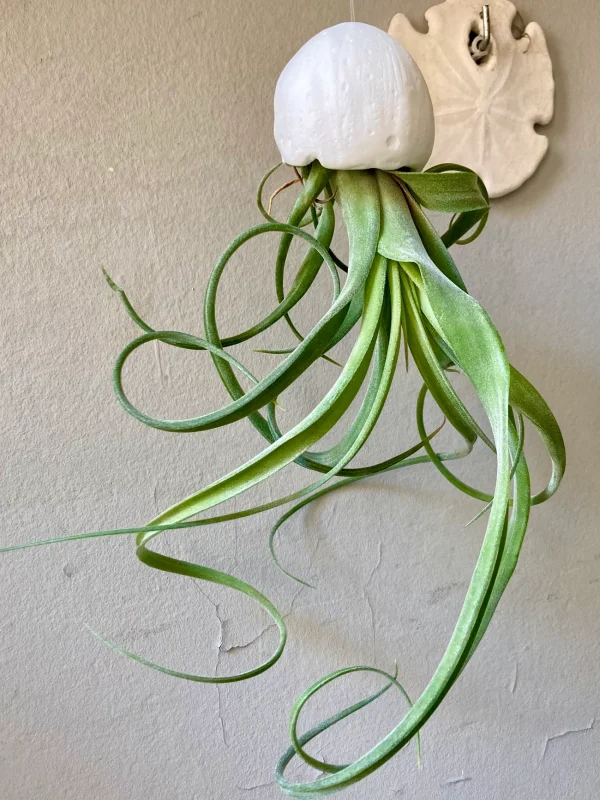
[{"x": 352, "y": 15}]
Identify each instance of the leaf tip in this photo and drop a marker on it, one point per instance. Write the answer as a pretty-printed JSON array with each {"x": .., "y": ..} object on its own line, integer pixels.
[{"x": 110, "y": 281}]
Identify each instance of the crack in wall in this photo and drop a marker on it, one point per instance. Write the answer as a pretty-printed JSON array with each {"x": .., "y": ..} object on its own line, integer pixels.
[
  {"x": 564, "y": 733},
  {"x": 217, "y": 664},
  {"x": 252, "y": 788},
  {"x": 242, "y": 645},
  {"x": 320, "y": 538},
  {"x": 369, "y": 601},
  {"x": 331, "y": 514},
  {"x": 221, "y": 649},
  {"x": 161, "y": 370},
  {"x": 236, "y": 544},
  {"x": 454, "y": 781}
]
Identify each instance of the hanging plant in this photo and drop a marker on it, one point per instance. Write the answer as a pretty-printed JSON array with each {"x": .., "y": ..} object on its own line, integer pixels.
[{"x": 353, "y": 116}]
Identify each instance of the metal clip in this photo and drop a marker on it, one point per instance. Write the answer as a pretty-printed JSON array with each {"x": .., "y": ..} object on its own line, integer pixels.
[{"x": 480, "y": 45}]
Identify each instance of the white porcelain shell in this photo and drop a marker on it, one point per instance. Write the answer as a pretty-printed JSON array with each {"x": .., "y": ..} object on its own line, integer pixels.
[{"x": 353, "y": 98}]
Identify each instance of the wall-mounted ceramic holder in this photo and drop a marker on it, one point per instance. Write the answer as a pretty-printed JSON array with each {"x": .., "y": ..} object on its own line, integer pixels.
[{"x": 487, "y": 96}]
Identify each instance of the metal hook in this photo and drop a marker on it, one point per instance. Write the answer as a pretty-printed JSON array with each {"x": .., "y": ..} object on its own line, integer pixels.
[
  {"x": 485, "y": 41},
  {"x": 481, "y": 44}
]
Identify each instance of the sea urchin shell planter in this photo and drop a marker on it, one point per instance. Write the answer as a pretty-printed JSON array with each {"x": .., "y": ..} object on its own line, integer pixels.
[
  {"x": 485, "y": 112},
  {"x": 353, "y": 98}
]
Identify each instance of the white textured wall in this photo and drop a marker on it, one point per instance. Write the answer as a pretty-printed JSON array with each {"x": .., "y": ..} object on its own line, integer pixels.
[{"x": 133, "y": 134}]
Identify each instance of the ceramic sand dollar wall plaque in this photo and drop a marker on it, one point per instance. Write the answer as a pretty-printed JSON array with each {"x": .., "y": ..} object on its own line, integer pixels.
[{"x": 486, "y": 110}]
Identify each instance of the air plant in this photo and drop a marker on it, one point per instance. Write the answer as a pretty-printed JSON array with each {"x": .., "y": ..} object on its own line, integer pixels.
[{"x": 354, "y": 118}]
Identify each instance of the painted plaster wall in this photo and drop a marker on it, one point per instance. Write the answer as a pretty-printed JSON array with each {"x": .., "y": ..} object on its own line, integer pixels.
[{"x": 133, "y": 135}]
